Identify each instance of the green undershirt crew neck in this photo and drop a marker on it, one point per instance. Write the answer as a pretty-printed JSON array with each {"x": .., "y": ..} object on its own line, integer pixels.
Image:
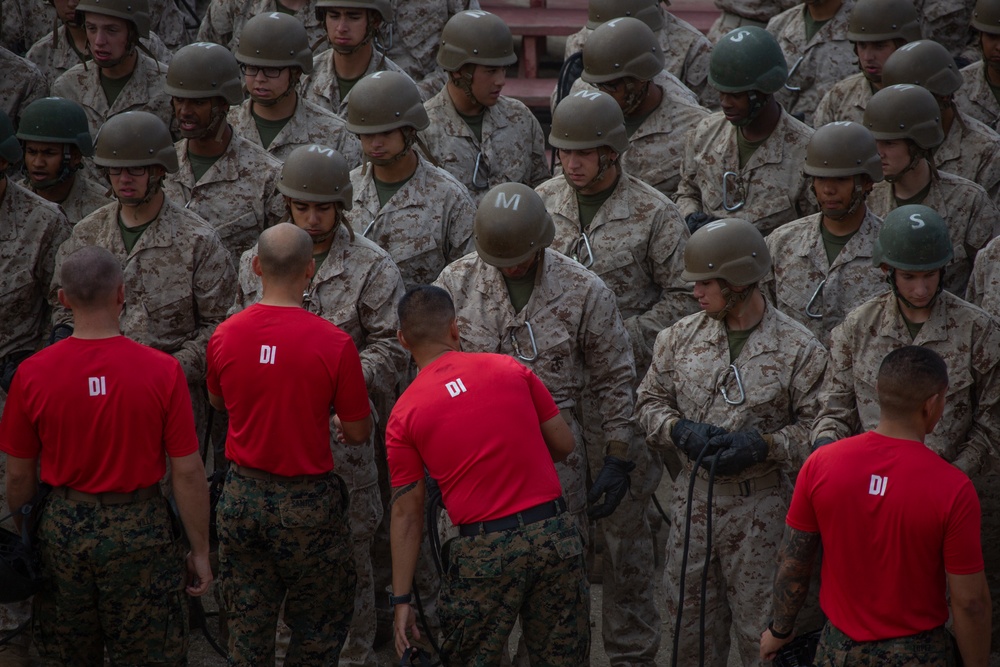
[
  {"x": 130, "y": 235},
  {"x": 200, "y": 164},
  {"x": 832, "y": 243},
  {"x": 633, "y": 123},
  {"x": 915, "y": 199},
  {"x": 268, "y": 129},
  {"x": 520, "y": 289},
  {"x": 589, "y": 205},
  {"x": 746, "y": 148},
  {"x": 912, "y": 327},
  {"x": 346, "y": 85},
  {"x": 737, "y": 339},
  {"x": 386, "y": 191},
  {"x": 320, "y": 258},
  {"x": 475, "y": 124},
  {"x": 113, "y": 87},
  {"x": 812, "y": 26}
]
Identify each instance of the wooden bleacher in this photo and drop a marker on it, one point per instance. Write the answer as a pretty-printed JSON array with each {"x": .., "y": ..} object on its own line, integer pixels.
[{"x": 536, "y": 20}]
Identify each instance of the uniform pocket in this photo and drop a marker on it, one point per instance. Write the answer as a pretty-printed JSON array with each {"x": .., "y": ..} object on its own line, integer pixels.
[{"x": 309, "y": 512}]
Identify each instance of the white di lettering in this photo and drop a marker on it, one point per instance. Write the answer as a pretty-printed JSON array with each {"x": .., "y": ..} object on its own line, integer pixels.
[
  {"x": 97, "y": 386},
  {"x": 877, "y": 486},
  {"x": 268, "y": 353},
  {"x": 455, "y": 387}
]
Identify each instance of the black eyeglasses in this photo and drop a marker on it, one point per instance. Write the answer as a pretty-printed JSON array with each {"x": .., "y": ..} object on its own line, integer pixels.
[
  {"x": 269, "y": 72},
  {"x": 132, "y": 171}
]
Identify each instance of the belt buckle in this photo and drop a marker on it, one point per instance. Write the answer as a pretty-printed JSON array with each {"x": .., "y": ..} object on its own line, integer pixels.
[{"x": 746, "y": 488}]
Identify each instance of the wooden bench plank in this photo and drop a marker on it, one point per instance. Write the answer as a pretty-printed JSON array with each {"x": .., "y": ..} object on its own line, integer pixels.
[
  {"x": 534, "y": 93},
  {"x": 540, "y": 22}
]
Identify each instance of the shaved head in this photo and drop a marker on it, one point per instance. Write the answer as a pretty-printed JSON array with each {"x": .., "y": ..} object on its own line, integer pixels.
[
  {"x": 907, "y": 378},
  {"x": 284, "y": 251},
  {"x": 425, "y": 314},
  {"x": 91, "y": 276}
]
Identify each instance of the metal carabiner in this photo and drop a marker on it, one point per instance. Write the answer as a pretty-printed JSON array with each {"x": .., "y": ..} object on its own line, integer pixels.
[
  {"x": 475, "y": 174},
  {"x": 369, "y": 228},
  {"x": 588, "y": 259},
  {"x": 725, "y": 192},
  {"x": 795, "y": 67},
  {"x": 812, "y": 300},
  {"x": 517, "y": 346},
  {"x": 739, "y": 385}
]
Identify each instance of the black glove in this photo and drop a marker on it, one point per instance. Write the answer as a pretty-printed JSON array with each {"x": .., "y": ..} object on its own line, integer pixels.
[
  {"x": 691, "y": 437},
  {"x": 59, "y": 332},
  {"x": 697, "y": 220},
  {"x": 613, "y": 483},
  {"x": 9, "y": 367},
  {"x": 822, "y": 442},
  {"x": 738, "y": 451}
]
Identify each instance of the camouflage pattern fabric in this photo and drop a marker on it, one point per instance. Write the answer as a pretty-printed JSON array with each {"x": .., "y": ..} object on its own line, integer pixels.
[
  {"x": 224, "y": 20},
  {"x": 845, "y": 100},
  {"x": 976, "y": 98},
  {"x": 309, "y": 124},
  {"x": 285, "y": 541},
  {"x": 512, "y": 149},
  {"x": 674, "y": 90},
  {"x": 771, "y": 184},
  {"x": 816, "y": 65},
  {"x": 946, "y": 22},
  {"x": 238, "y": 195},
  {"x": 322, "y": 87},
  {"x": 54, "y": 55},
  {"x": 737, "y": 13},
  {"x": 971, "y": 149},
  {"x": 23, "y": 84},
  {"x": 424, "y": 226},
  {"x": 416, "y": 32},
  {"x": 780, "y": 370},
  {"x": 143, "y": 92},
  {"x": 23, "y": 23},
  {"x": 933, "y": 648},
  {"x": 537, "y": 571},
  {"x": 973, "y": 219},
  {"x": 85, "y": 197},
  {"x": 965, "y": 336},
  {"x": 800, "y": 266},
  {"x": 114, "y": 577},
  {"x": 984, "y": 284}
]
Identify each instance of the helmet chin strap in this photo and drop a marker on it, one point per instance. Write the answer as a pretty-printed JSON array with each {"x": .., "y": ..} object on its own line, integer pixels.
[
  {"x": 915, "y": 155},
  {"x": 409, "y": 138},
  {"x": 65, "y": 171},
  {"x": 733, "y": 299},
  {"x": 858, "y": 196},
  {"x": 293, "y": 79},
  {"x": 890, "y": 278},
  {"x": 153, "y": 187},
  {"x": 370, "y": 33},
  {"x": 757, "y": 102},
  {"x": 464, "y": 83},
  {"x": 604, "y": 162},
  {"x": 216, "y": 124}
]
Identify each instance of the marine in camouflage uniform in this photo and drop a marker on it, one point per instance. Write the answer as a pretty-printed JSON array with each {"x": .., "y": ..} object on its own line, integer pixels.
[
  {"x": 742, "y": 13},
  {"x": 54, "y": 127},
  {"x": 417, "y": 212},
  {"x": 356, "y": 287},
  {"x": 32, "y": 230},
  {"x": 910, "y": 114},
  {"x": 179, "y": 279},
  {"x": 507, "y": 144},
  {"x": 622, "y": 59},
  {"x": 970, "y": 148},
  {"x": 277, "y": 41},
  {"x": 946, "y": 22},
  {"x": 738, "y": 385},
  {"x": 821, "y": 266},
  {"x": 984, "y": 283},
  {"x": 876, "y": 28},
  {"x": 237, "y": 193},
  {"x": 225, "y": 20},
  {"x": 23, "y": 23},
  {"x": 633, "y": 238},
  {"x": 817, "y": 51},
  {"x": 685, "y": 50},
  {"x": 976, "y": 97},
  {"x": 23, "y": 84},
  {"x": 761, "y": 182}
]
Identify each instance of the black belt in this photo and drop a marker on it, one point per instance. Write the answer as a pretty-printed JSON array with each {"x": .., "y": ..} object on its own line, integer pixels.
[
  {"x": 546, "y": 510},
  {"x": 263, "y": 475},
  {"x": 137, "y": 496}
]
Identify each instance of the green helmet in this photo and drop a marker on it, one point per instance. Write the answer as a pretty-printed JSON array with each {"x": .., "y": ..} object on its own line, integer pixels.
[
  {"x": 58, "y": 121},
  {"x": 986, "y": 16},
  {"x": 843, "y": 148},
  {"x": 746, "y": 59},
  {"x": 476, "y": 37},
  {"x": 881, "y": 20},
  {"x": 135, "y": 139},
  {"x": 924, "y": 63},
  {"x": 731, "y": 249},
  {"x": 202, "y": 70},
  {"x": 588, "y": 119},
  {"x": 621, "y": 47},
  {"x": 134, "y": 11},
  {"x": 275, "y": 40},
  {"x": 913, "y": 238},
  {"x": 905, "y": 111},
  {"x": 10, "y": 147},
  {"x": 317, "y": 174},
  {"x": 647, "y": 11},
  {"x": 511, "y": 225},
  {"x": 384, "y": 101},
  {"x": 383, "y": 7}
]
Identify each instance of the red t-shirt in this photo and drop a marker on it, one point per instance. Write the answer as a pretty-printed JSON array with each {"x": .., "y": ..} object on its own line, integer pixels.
[
  {"x": 281, "y": 370},
  {"x": 893, "y": 517},
  {"x": 99, "y": 414},
  {"x": 474, "y": 421}
]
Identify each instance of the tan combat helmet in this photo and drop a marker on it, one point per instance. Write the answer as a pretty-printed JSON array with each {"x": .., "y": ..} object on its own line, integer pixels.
[
  {"x": 202, "y": 70},
  {"x": 475, "y": 37},
  {"x": 905, "y": 111},
  {"x": 986, "y": 16},
  {"x": 647, "y": 11},
  {"x": 316, "y": 173},
  {"x": 731, "y": 249},
  {"x": 883, "y": 20},
  {"x": 275, "y": 40},
  {"x": 511, "y": 225},
  {"x": 843, "y": 148},
  {"x": 923, "y": 63},
  {"x": 588, "y": 119},
  {"x": 134, "y": 11},
  {"x": 135, "y": 139},
  {"x": 624, "y": 47},
  {"x": 384, "y": 101},
  {"x": 383, "y": 7}
]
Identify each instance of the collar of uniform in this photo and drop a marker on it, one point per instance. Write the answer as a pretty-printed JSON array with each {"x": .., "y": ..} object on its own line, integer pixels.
[
  {"x": 226, "y": 168},
  {"x": 857, "y": 91},
  {"x": 137, "y": 92},
  {"x": 794, "y": 25},
  {"x": 336, "y": 260},
  {"x": 772, "y": 151},
  {"x": 160, "y": 234},
  {"x": 765, "y": 337},
  {"x": 548, "y": 286},
  {"x": 63, "y": 56},
  {"x": 860, "y": 245},
  {"x": 404, "y": 197},
  {"x": 951, "y": 147},
  {"x": 494, "y": 117},
  {"x": 892, "y": 324}
]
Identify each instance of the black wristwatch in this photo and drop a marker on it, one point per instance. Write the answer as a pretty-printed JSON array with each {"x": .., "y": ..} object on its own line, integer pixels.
[
  {"x": 775, "y": 633},
  {"x": 403, "y": 599}
]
